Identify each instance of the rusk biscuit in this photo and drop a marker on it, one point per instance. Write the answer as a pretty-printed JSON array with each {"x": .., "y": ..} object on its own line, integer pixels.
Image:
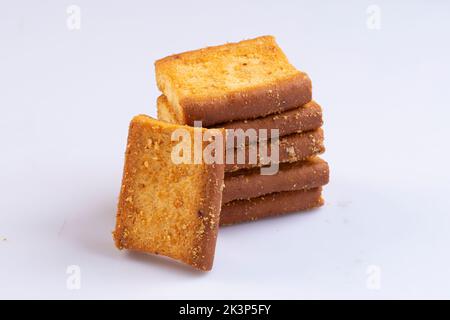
[
  {"x": 167, "y": 208},
  {"x": 235, "y": 81},
  {"x": 273, "y": 204},
  {"x": 292, "y": 148},
  {"x": 300, "y": 175},
  {"x": 304, "y": 118}
]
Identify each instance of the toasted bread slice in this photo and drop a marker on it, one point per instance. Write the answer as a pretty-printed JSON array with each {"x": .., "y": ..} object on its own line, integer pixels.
[
  {"x": 292, "y": 148},
  {"x": 167, "y": 208},
  {"x": 300, "y": 175},
  {"x": 270, "y": 205},
  {"x": 235, "y": 81},
  {"x": 303, "y": 118}
]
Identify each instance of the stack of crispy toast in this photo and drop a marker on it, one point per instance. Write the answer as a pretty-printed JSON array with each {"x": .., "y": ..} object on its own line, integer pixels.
[
  {"x": 251, "y": 85},
  {"x": 171, "y": 204}
]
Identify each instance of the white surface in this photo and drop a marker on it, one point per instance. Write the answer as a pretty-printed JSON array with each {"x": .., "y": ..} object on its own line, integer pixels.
[{"x": 67, "y": 98}]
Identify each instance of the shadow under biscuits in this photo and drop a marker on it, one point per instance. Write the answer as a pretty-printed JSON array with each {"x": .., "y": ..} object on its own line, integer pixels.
[{"x": 93, "y": 232}]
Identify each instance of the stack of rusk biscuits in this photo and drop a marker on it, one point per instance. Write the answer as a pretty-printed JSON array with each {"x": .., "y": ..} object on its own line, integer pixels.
[{"x": 251, "y": 85}]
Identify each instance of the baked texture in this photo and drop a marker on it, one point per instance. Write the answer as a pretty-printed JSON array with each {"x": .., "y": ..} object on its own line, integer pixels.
[
  {"x": 235, "y": 81},
  {"x": 165, "y": 111},
  {"x": 300, "y": 175},
  {"x": 167, "y": 208},
  {"x": 270, "y": 205},
  {"x": 304, "y": 118},
  {"x": 292, "y": 148}
]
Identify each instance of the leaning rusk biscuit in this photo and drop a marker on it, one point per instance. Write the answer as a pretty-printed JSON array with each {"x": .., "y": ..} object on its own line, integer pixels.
[
  {"x": 270, "y": 205},
  {"x": 167, "y": 208},
  {"x": 235, "y": 81}
]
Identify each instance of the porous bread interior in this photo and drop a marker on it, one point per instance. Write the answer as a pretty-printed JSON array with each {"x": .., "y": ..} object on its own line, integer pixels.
[
  {"x": 165, "y": 112},
  {"x": 220, "y": 70},
  {"x": 159, "y": 202}
]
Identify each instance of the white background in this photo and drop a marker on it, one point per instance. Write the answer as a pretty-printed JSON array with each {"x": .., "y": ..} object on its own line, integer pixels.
[{"x": 67, "y": 98}]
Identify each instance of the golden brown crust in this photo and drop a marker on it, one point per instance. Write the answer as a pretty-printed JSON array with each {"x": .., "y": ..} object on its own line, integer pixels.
[
  {"x": 292, "y": 148},
  {"x": 123, "y": 205},
  {"x": 304, "y": 118},
  {"x": 216, "y": 48},
  {"x": 255, "y": 102},
  {"x": 300, "y": 175},
  {"x": 274, "y": 204},
  {"x": 212, "y": 207},
  {"x": 156, "y": 214},
  {"x": 235, "y": 81}
]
